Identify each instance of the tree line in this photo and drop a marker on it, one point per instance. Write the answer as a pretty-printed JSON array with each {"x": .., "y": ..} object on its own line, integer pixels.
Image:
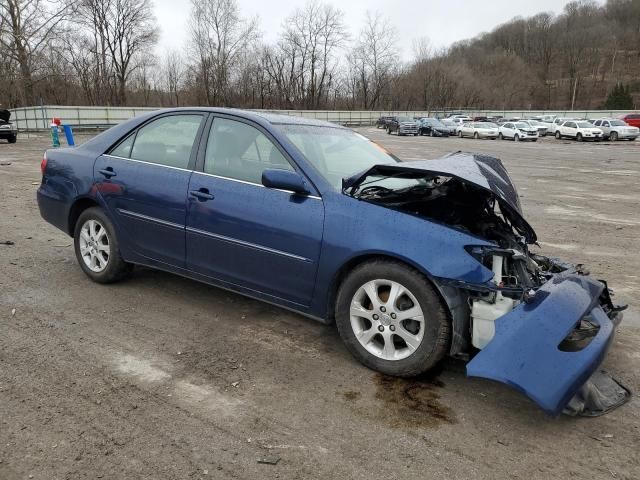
[{"x": 100, "y": 52}]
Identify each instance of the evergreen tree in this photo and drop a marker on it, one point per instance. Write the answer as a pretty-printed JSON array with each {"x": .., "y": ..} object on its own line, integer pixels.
[{"x": 619, "y": 98}]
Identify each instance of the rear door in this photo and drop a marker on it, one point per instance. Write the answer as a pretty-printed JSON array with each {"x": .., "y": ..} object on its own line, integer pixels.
[
  {"x": 240, "y": 232},
  {"x": 144, "y": 182}
]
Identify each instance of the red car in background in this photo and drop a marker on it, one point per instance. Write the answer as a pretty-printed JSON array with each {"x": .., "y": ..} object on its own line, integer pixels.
[{"x": 632, "y": 119}]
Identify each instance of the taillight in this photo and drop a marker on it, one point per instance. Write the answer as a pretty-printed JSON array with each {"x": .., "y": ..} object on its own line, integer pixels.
[{"x": 43, "y": 163}]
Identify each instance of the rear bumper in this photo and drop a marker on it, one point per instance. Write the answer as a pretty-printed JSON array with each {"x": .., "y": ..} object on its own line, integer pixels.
[
  {"x": 53, "y": 208},
  {"x": 524, "y": 352}
]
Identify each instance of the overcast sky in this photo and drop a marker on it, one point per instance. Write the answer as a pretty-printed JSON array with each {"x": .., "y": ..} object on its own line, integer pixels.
[{"x": 442, "y": 21}]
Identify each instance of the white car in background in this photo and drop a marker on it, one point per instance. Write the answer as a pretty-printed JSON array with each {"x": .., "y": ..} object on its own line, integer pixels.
[
  {"x": 479, "y": 130},
  {"x": 579, "y": 130},
  {"x": 615, "y": 129},
  {"x": 555, "y": 125},
  {"x": 517, "y": 131}
]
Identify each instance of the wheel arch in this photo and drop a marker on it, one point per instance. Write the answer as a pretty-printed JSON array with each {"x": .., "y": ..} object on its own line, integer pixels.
[{"x": 79, "y": 206}]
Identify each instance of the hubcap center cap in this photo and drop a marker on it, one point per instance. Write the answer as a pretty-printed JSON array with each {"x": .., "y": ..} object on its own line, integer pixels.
[{"x": 385, "y": 319}]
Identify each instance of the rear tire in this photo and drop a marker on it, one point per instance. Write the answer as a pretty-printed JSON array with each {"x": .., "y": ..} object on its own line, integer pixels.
[
  {"x": 97, "y": 248},
  {"x": 500, "y": 136},
  {"x": 516, "y": 138},
  {"x": 459, "y": 134},
  {"x": 12, "y": 139},
  {"x": 579, "y": 137},
  {"x": 614, "y": 136},
  {"x": 558, "y": 136},
  {"x": 475, "y": 135},
  {"x": 379, "y": 343}
]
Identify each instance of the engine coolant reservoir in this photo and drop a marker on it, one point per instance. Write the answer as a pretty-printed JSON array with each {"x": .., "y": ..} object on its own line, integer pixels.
[{"x": 484, "y": 313}]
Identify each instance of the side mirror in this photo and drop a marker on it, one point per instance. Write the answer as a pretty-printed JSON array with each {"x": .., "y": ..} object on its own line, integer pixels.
[{"x": 284, "y": 180}]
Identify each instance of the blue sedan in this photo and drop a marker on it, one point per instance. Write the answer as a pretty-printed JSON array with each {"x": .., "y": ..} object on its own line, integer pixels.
[{"x": 413, "y": 261}]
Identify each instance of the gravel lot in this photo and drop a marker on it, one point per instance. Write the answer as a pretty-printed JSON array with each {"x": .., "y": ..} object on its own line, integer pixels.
[{"x": 162, "y": 377}]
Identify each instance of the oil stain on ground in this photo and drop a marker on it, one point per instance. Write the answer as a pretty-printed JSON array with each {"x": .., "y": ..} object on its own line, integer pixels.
[{"x": 413, "y": 402}]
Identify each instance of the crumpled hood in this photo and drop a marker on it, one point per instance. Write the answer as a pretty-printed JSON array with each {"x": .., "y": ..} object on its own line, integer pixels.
[{"x": 483, "y": 171}]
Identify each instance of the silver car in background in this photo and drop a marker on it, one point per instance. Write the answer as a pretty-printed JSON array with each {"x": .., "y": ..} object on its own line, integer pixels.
[
  {"x": 541, "y": 127},
  {"x": 479, "y": 130},
  {"x": 615, "y": 129}
]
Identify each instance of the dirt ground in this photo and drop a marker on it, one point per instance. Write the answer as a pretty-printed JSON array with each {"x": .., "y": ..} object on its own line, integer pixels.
[{"x": 165, "y": 378}]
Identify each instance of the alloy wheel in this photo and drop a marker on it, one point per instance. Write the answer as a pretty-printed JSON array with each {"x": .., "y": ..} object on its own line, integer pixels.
[
  {"x": 95, "y": 247},
  {"x": 387, "y": 319}
]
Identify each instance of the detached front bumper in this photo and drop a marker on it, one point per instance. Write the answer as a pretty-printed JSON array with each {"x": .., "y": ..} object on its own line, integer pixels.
[{"x": 525, "y": 351}]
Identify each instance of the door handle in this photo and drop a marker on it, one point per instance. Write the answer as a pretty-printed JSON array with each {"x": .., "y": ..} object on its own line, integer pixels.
[
  {"x": 107, "y": 172},
  {"x": 202, "y": 194}
]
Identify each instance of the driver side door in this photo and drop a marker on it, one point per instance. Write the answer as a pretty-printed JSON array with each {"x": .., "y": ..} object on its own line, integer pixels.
[{"x": 238, "y": 231}]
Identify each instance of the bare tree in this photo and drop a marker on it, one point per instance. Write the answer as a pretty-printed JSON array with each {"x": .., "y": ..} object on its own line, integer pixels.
[
  {"x": 374, "y": 58},
  {"x": 26, "y": 26},
  {"x": 311, "y": 41},
  {"x": 174, "y": 72},
  {"x": 219, "y": 34}
]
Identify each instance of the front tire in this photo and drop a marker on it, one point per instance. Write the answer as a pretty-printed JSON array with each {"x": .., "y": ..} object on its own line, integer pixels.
[
  {"x": 557, "y": 135},
  {"x": 391, "y": 319},
  {"x": 614, "y": 136},
  {"x": 475, "y": 135},
  {"x": 516, "y": 138},
  {"x": 459, "y": 133},
  {"x": 12, "y": 139},
  {"x": 579, "y": 137},
  {"x": 97, "y": 248}
]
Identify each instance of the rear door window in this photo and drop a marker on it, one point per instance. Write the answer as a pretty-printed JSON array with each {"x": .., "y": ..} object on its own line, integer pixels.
[
  {"x": 167, "y": 141},
  {"x": 239, "y": 151}
]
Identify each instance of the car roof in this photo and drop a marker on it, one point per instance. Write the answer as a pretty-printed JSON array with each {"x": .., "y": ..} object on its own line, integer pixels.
[{"x": 259, "y": 115}]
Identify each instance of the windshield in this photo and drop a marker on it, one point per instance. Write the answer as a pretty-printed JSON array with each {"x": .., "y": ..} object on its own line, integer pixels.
[
  {"x": 534, "y": 123},
  {"x": 617, "y": 123},
  {"x": 336, "y": 153},
  {"x": 485, "y": 125},
  {"x": 584, "y": 125},
  {"x": 405, "y": 119},
  {"x": 521, "y": 125},
  {"x": 434, "y": 122}
]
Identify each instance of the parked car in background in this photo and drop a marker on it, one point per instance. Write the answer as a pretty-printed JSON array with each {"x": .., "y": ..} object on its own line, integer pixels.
[
  {"x": 264, "y": 205},
  {"x": 517, "y": 131},
  {"x": 457, "y": 123},
  {"x": 632, "y": 119},
  {"x": 542, "y": 128},
  {"x": 578, "y": 130},
  {"x": 8, "y": 130},
  {"x": 547, "y": 118},
  {"x": 382, "y": 122},
  {"x": 614, "y": 129},
  {"x": 433, "y": 127},
  {"x": 555, "y": 125},
  {"x": 402, "y": 126},
  {"x": 479, "y": 130},
  {"x": 451, "y": 125}
]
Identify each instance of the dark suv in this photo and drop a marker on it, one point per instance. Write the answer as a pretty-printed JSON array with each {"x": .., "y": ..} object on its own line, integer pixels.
[
  {"x": 7, "y": 130},
  {"x": 402, "y": 126},
  {"x": 382, "y": 122}
]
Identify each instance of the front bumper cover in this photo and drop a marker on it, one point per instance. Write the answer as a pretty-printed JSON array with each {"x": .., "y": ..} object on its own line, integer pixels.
[{"x": 525, "y": 353}]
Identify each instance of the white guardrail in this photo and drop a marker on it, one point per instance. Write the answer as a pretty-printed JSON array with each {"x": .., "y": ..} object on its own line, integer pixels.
[{"x": 39, "y": 118}]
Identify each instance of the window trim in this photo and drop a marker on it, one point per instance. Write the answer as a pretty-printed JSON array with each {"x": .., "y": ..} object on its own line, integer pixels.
[
  {"x": 194, "y": 147},
  {"x": 202, "y": 152}
]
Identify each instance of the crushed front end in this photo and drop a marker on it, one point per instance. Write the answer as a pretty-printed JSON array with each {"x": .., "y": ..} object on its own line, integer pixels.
[{"x": 540, "y": 325}]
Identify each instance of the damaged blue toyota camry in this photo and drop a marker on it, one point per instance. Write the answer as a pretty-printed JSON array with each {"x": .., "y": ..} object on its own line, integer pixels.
[{"x": 412, "y": 260}]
